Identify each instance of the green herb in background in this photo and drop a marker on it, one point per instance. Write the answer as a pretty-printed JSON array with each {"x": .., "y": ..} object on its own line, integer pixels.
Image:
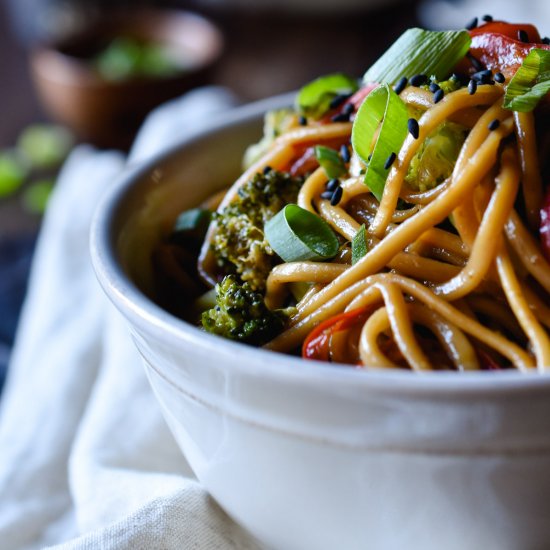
[
  {"x": 13, "y": 171},
  {"x": 36, "y": 195},
  {"x": 45, "y": 145},
  {"x": 125, "y": 58},
  {"x": 29, "y": 170}
]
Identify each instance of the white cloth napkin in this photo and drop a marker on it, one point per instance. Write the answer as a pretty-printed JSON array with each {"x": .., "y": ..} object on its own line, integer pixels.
[{"x": 86, "y": 460}]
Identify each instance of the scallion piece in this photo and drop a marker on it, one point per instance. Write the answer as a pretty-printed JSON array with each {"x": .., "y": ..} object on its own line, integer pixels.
[
  {"x": 418, "y": 51},
  {"x": 383, "y": 110},
  {"x": 297, "y": 235},
  {"x": 314, "y": 99},
  {"x": 193, "y": 219},
  {"x": 191, "y": 226},
  {"x": 530, "y": 83},
  {"x": 330, "y": 160},
  {"x": 359, "y": 245}
]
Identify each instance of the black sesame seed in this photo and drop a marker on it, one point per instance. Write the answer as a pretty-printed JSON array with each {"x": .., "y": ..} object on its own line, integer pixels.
[
  {"x": 327, "y": 195},
  {"x": 472, "y": 24},
  {"x": 462, "y": 79},
  {"x": 487, "y": 18},
  {"x": 344, "y": 153},
  {"x": 523, "y": 36},
  {"x": 434, "y": 87},
  {"x": 348, "y": 108},
  {"x": 414, "y": 129},
  {"x": 418, "y": 80},
  {"x": 545, "y": 40},
  {"x": 472, "y": 87},
  {"x": 340, "y": 117},
  {"x": 302, "y": 121},
  {"x": 483, "y": 77},
  {"x": 494, "y": 124},
  {"x": 485, "y": 73},
  {"x": 401, "y": 85},
  {"x": 476, "y": 63},
  {"x": 499, "y": 77},
  {"x": 389, "y": 161},
  {"x": 267, "y": 169},
  {"x": 338, "y": 100},
  {"x": 369, "y": 157},
  {"x": 332, "y": 184},
  {"x": 438, "y": 96},
  {"x": 336, "y": 196}
]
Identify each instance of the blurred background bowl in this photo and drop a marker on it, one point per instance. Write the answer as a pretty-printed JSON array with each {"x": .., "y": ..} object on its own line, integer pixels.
[{"x": 106, "y": 112}]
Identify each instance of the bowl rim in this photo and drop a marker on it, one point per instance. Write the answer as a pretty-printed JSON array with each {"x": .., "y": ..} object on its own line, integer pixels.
[{"x": 142, "y": 311}]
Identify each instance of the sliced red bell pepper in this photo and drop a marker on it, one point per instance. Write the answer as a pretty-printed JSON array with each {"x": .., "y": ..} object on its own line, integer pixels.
[
  {"x": 305, "y": 160},
  {"x": 307, "y": 163},
  {"x": 497, "y": 46},
  {"x": 317, "y": 344},
  {"x": 511, "y": 30},
  {"x": 487, "y": 362},
  {"x": 544, "y": 229}
]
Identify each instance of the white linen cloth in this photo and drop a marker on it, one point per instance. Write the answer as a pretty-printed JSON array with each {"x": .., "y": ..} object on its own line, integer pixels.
[{"x": 86, "y": 459}]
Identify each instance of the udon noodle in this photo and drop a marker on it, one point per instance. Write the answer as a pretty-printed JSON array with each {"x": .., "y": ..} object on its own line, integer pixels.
[{"x": 428, "y": 294}]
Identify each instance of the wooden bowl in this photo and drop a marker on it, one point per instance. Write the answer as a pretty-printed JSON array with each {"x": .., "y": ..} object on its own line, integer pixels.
[{"x": 107, "y": 113}]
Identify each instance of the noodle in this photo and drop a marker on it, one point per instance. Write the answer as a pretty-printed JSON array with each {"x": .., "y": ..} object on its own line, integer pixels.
[{"x": 451, "y": 275}]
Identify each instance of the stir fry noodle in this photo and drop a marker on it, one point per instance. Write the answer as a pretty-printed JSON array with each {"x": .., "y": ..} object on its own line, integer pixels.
[{"x": 401, "y": 223}]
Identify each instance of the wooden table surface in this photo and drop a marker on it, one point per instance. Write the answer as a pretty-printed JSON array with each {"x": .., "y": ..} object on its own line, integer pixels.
[{"x": 265, "y": 54}]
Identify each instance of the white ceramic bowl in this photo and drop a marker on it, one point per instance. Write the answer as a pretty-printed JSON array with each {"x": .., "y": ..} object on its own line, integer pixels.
[{"x": 313, "y": 456}]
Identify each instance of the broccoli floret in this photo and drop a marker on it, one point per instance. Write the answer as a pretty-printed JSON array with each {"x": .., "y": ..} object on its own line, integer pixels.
[
  {"x": 452, "y": 84},
  {"x": 241, "y": 314},
  {"x": 275, "y": 123},
  {"x": 239, "y": 243},
  {"x": 436, "y": 158}
]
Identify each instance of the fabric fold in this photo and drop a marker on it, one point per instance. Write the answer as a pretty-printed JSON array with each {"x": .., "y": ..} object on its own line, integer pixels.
[{"x": 87, "y": 460}]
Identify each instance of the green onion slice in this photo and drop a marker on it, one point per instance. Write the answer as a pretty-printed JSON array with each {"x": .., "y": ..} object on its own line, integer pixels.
[
  {"x": 530, "y": 83},
  {"x": 194, "y": 219},
  {"x": 417, "y": 51},
  {"x": 359, "y": 245},
  {"x": 382, "y": 109},
  {"x": 314, "y": 98},
  {"x": 191, "y": 226},
  {"x": 297, "y": 235},
  {"x": 330, "y": 160}
]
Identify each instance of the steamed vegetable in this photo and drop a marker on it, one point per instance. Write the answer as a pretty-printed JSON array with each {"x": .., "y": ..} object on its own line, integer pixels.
[
  {"x": 239, "y": 245},
  {"x": 241, "y": 314},
  {"x": 435, "y": 160},
  {"x": 298, "y": 235}
]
